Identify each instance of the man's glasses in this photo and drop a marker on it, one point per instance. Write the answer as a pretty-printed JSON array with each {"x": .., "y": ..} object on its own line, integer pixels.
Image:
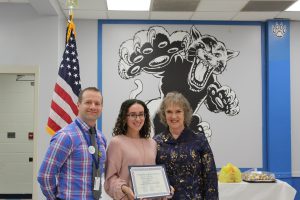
[{"x": 134, "y": 116}]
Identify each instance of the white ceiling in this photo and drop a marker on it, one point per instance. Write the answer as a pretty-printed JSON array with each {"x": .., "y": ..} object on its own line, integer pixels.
[{"x": 229, "y": 10}]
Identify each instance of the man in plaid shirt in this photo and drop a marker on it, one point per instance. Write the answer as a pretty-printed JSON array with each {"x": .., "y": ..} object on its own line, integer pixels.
[{"x": 66, "y": 171}]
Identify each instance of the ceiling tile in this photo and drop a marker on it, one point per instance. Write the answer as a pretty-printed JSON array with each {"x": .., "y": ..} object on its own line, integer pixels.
[
  {"x": 87, "y": 14},
  {"x": 273, "y": 0},
  {"x": 87, "y": 4},
  {"x": 19, "y": 1},
  {"x": 269, "y": 6},
  {"x": 255, "y": 16},
  {"x": 206, "y": 10},
  {"x": 174, "y": 5},
  {"x": 208, "y": 5},
  {"x": 171, "y": 15},
  {"x": 289, "y": 15},
  {"x": 128, "y": 15},
  {"x": 227, "y": 0},
  {"x": 213, "y": 15}
]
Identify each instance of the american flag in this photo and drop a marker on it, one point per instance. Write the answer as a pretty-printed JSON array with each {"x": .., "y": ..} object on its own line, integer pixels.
[{"x": 63, "y": 106}]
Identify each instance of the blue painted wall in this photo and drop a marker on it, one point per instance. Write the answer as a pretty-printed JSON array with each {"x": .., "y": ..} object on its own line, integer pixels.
[
  {"x": 276, "y": 92},
  {"x": 278, "y": 98},
  {"x": 278, "y": 157}
]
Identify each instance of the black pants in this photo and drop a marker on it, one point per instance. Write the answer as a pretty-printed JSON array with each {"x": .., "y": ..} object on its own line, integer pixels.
[{"x": 58, "y": 198}]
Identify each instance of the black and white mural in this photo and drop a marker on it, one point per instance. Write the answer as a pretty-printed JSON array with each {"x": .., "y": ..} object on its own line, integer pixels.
[
  {"x": 218, "y": 68},
  {"x": 189, "y": 63}
]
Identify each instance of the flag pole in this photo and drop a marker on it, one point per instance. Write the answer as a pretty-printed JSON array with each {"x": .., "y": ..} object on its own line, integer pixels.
[
  {"x": 71, "y": 25},
  {"x": 63, "y": 109}
]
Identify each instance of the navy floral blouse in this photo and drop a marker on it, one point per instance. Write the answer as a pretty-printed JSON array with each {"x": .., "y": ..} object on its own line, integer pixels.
[{"x": 189, "y": 164}]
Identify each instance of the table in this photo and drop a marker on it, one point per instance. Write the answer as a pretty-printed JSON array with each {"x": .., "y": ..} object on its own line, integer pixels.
[{"x": 256, "y": 191}]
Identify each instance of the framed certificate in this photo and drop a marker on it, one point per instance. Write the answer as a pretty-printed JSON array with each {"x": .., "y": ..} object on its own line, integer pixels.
[{"x": 149, "y": 181}]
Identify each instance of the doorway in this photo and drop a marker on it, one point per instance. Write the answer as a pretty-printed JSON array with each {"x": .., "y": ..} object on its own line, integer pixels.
[{"x": 17, "y": 139}]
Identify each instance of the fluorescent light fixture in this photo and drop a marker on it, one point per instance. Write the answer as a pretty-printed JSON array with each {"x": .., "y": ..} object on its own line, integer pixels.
[
  {"x": 137, "y": 5},
  {"x": 294, "y": 7}
]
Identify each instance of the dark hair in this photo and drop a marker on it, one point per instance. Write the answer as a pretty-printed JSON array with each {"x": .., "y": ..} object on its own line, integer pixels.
[
  {"x": 121, "y": 125},
  {"x": 175, "y": 98},
  {"x": 87, "y": 89}
]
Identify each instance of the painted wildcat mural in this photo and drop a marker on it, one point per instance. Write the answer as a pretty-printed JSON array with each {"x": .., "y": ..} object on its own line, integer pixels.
[{"x": 185, "y": 62}]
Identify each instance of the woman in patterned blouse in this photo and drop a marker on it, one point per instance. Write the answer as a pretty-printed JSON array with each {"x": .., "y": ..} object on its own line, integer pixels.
[{"x": 186, "y": 154}]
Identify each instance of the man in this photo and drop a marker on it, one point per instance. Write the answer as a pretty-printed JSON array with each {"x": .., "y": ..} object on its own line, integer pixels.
[{"x": 72, "y": 166}]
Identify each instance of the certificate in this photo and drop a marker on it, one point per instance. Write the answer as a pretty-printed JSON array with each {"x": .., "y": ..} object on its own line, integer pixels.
[{"x": 149, "y": 181}]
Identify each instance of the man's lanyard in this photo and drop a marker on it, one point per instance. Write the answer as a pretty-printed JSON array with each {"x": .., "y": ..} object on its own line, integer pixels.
[{"x": 89, "y": 143}]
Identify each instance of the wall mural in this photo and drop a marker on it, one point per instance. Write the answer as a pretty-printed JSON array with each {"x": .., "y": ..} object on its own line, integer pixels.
[{"x": 187, "y": 62}]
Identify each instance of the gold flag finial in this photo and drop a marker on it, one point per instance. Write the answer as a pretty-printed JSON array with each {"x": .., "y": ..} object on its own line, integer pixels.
[{"x": 71, "y": 25}]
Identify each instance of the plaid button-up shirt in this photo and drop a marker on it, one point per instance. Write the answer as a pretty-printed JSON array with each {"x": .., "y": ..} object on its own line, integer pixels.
[{"x": 66, "y": 171}]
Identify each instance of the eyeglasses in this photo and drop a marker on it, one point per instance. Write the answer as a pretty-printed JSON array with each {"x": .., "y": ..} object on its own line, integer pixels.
[{"x": 134, "y": 116}]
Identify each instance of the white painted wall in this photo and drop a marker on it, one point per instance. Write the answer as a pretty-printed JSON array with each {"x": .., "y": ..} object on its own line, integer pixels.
[
  {"x": 31, "y": 40},
  {"x": 28, "y": 39},
  {"x": 295, "y": 97}
]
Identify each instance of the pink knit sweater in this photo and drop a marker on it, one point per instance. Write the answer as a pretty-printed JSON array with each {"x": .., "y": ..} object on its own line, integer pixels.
[{"x": 122, "y": 152}]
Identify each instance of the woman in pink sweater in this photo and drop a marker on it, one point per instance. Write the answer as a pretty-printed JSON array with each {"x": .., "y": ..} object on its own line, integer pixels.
[{"x": 131, "y": 145}]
